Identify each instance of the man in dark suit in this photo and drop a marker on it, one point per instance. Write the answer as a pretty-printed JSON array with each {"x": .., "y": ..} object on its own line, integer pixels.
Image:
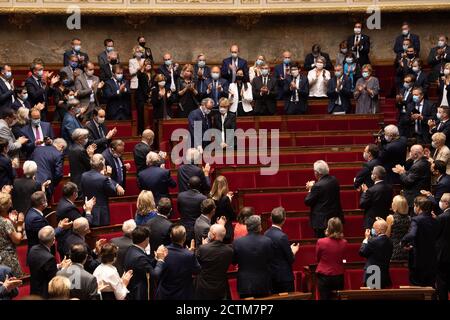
[
  {"x": 50, "y": 164},
  {"x": 21, "y": 98},
  {"x": 71, "y": 121},
  {"x": 284, "y": 254},
  {"x": 420, "y": 111},
  {"x": 98, "y": 133},
  {"x": 214, "y": 258},
  {"x": 123, "y": 243},
  {"x": 144, "y": 267},
  {"x": 406, "y": 34},
  {"x": 201, "y": 70},
  {"x": 155, "y": 178},
  {"x": 160, "y": 225},
  {"x": 311, "y": 58},
  {"x": 84, "y": 285},
  {"x": 404, "y": 65},
  {"x": 117, "y": 94},
  {"x": 189, "y": 206},
  {"x": 216, "y": 87},
  {"x": 339, "y": 91},
  {"x": 231, "y": 64},
  {"x": 421, "y": 243},
  {"x": 360, "y": 45},
  {"x": 176, "y": 282},
  {"x": 142, "y": 149},
  {"x": 442, "y": 186},
  {"x": 377, "y": 248},
  {"x": 295, "y": 91},
  {"x": 190, "y": 168},
  {"x": 443, "y": 249},
  {"x": 171, "y": 71},
  {"x": 106, "y": 69},
  {"x": 264, "y": 92},
  {"x": 79, "y": 156},
  {"x": 199, "y": 122},
  {"x": 282, "y": 71},
  {"x": 36, "y": 131},
  {"x": 95, "y": 184},
  {"x": 113, "y": 158},
  {"x": 254, "y": 255},
  {"x": 376, "y": 200},
  {"x": 42, "y": 262},
  {"x": 438, "y": 57},
  {"x": 8, "y": 283},
  {"x": 422, "y": 78},
  {"x": 442, "y": 125},
  {"x": 225, "y": 121},
  {"x": 103, "y": 56},
  {"x": 323, "y": 198},
  {"x": 83, "y": 58},
  {"x": 415, "y": 175},
  {"x": 364, "y": 175},
  {"x": 392, "y": 152},
  {"x": 7, "y": 97},
  {"x": 402, "y": 101}
]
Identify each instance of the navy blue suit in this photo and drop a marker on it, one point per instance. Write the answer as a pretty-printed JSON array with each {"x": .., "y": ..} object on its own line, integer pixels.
[
  {"x": 343, "y": 96},
  {"x": 302, "y": 92},
  {"x": 162, "y": 69},
  {"x": 175, "y": 282},
  {"x": 364, "y": 175},
  {"x": 442, "y": 186},
  {"x": 206, "y": 71},
  {"x": 391, "y": 154},
  {"x": 74, "y": 238},
  {"x": 415, "y": 42},
  {"x": 216, "y": 94},
  {"x": 226, "y": 71},
  {"x": 253, "y": 254},
  {"x": 6, "y": 96},
  {"x": 279, "y": 73},
  {"x": 281, "y": 267},
  {"x": 17, "y": 104},
  {"x": 189, "y": 203},
  {"x": 118, "y": 104},
  {"x": 378, "y": 251},
  {"x": 157, "y": 180},
  {"x": 29, "y": 131},
  {"x": 7, "y": 173},
  {"x": 4, "y": 294},
  {"x": 94, "y": 184},
  {"x": 37, "y": 93},
  {"x": 43, "y": 268},
  {"x": 68, "y": 126},
  {"x": 142, "y": 265},
  {"x": 198, "y": 116},
  {"x": 50, "y": 166},
  {"x": 68, "y": 53},
  {"x": 188, "y": 170},
  {"x": 34, "y": 222},
  {"x": 111, "y": 161}
]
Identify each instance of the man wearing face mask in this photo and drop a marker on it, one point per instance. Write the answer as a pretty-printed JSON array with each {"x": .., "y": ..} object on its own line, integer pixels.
[
  {"x": 171, "y": 72},
  {"x": 216, "y": 87},
  {"x": 415, "y": 175},
  {"x": 392, "y": 152},
  {"x": 442, "y": 124},
  {"x": 420, "y": 111},
  {"x": 438, "y": 170},
  {"x": 282, "y": 71},
  {"x": 98, "y": 133},
  {"x": 72, "y": 71},
  {"x": 202, "y": 117},
  {"x": 223, "y": 121},
  {"x": 339, "y": 91},
  {"x": 7, "y": 97},
  {"x": 438, "y": 57},
  {"x": 36, "y": 132},
  {"x": 295, "y": 91},
  {"x": 21, "y": 98},
  {"x": 421, "y": 76},
  {"x": 103, "y": 56},
  {"x": 231, "y": 64},
  {"x": 359, "y": 43},
  {"x": 117, "y": 94},
  {"x": 201, "y": 70},
  {"x": 71, "y": 121},
  {"x": 83, "y": 58},
  {"x": 402, "y": 101},
  {"x": 311, "y": 58},
  {"x": 265, "y": 92},
  {"x": 377, "y": 248},
  {"x": 106, "y": 72},
  {"x": 370, "y": 155},
  {"x": 404, "y": 65},
  {"x": 113, "y": 158},
  {"x": 88, "y": 87},
  {"x": 376, "y": 200},
  {"x": 406, "y": 34}
]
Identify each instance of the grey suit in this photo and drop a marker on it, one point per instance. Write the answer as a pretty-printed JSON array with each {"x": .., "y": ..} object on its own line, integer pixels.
[
  {"x": 70, "y": 76},
  {"x": 123, "y": 243},
  {"x": 6, "y": 133},
  {"x": 84, "y": 285},
  {"x": 201, "y": 229},
  {"x": 85, "y": 91}
]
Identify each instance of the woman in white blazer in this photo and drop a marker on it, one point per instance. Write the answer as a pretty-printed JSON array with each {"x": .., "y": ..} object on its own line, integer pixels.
[
  {"x": 135, "y": 64},
  {"x": 240, "y": 95}
]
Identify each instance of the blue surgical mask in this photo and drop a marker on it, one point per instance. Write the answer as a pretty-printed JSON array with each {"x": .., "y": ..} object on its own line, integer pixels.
[
  {"x": 365, "y": 74},
  {"x": 406, "y": 85},
  {"x": 286, "y": 60},
  {"x": 416, "y": 99},
  {"x": 373, "y": 233},
  {"x": 66, "y": 82},
  {"x": 349, "y": 60},
  {"x": 259, "y": 62},
  {"x": 264, "y": 72},
  {"x": 8, "y": 74},
  {"x": 338, "y": 74},
  {"x": 35, "y": 122},
  {"x": 77, "y": 48},
  {"x": 119, "y": 77},
  {"x": 215, "y": 75},
  {"x": 201, "y": 63},
  {"x": 168, "y": 62},
  {"x": 234, "y": 55},
  {"x": 73, "y": 64},
  {"x": 109, "y": 49},
  {"x": 25, "y": 96},
  {"x": 405, "y": 47}
]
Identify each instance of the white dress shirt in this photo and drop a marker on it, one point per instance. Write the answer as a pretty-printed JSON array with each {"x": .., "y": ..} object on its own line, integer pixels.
[
  {"x": 318, "y": 85},
  {"x": 107, "y": 274}
]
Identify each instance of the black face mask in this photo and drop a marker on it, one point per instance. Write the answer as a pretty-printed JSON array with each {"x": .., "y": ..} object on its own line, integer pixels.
[
  {"x": 410, "y": 55},
  {"x": 142, "y": 44},
  {"x": 114, "y": 61},
  {"x": 240, "y": 78}
]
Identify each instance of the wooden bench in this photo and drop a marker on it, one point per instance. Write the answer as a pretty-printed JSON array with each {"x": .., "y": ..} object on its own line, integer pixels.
[{"x": 404, "y": 293}]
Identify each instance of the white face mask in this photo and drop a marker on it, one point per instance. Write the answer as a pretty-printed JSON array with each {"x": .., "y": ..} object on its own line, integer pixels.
[
  {"x": 441, "y": 206},
  {"x": 90, "y": 73},
  {"x": 206, "y": 110},
  {"x": 415, "y": 69},
  {"x": 446, "y": 72},
  {"x": 294, "y": 73},
  {"x": 100, "y": 120},
  {"x": 319, "y": 65},
  {"x": 215, "y": 75},
  {"x": 161, "y": 83},
  {"x": 223, "y": 110},
  {"x": 357, "y": 30}
]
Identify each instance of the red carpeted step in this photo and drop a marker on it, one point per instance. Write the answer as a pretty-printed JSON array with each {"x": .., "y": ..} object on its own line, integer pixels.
[
  {"x": 121, "y": 211},
  {"x": 233, "y": 289},
  {"x": 24, "y": 290},
  {"x": 22, "y": 255}
]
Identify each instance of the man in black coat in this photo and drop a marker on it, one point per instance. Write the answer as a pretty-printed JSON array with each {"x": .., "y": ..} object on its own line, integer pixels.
[
  {"x": 415, "y": 175},
  {"x": 359, "y": 44},
  {"x": 442, "y": 124},
  {"x": 295, "y": 91},
  {"x": 113, "y": 158},
  {"x": 402, "y": 102},
  {"x": 265, "y": 92},
  {"x": 392, "y": 152},
  {"x": 311, "y": 58},
  {"x": 79, "y": 156},
  {"x": 8, "y": 283},
  {"x": 160, "y": 225},
  {"x": 339, "y": 91},
  {"x": 225, "y": 122},
  {"x": 406, "y": 34},
  {"x": 98, "y": 133},
  {"x": 145, "y": 268},
  {"x": 377, "y": 248},
  {"x": 142, "y": 149},
  {"x": 123, "y": 243},
  {"x": 284, "y": 254},
  {"x": 438, "y": 169},
  {"x": 443, "y": 249},
  {"x": 190, "y": 168},
  {"x": 364, "y": 175},
  {"x": 42, "y": 262},
  {"x": 420, "y": 110},
  {"x": 421, "y": 243},
  {"x": 438, "y": 57},
  {"x": 214, "y": 258},
  {"x": 323, "y": 198},
  {"x": 199, "y": 122},
  {"x": 254, "y": 255},
  {"x": 376, "y": 200},
  {"x": 6, "y": 87},
  {"x": 116, "y": 92}
]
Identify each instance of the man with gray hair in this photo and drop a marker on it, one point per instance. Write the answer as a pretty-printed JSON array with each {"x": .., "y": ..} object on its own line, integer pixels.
[
  {"x": 192, "y": 167},
  {"x": 71, "y": 120},
  {"x": 254, "y": 255},
  {"x": 392, "y": 152},
  {"x": 214, "y": 258},
  {"x": 323, "y": 198},
  {"x": 123, "y": 243},
  {"x": 79, "y": 156},
  {"x": 376, "y": 200},
  {"x": 201, "y": 119}
]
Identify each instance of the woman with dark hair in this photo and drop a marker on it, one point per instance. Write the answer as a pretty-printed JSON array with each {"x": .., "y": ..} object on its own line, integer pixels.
[
  {"x": 351, "y": 68},
  {"x": 111, "y": 285},
  {"x": 145, "y": 82},
  {"x": 240, "y": 229},
  {"x": 240, "y": 95},
  {"x": 187, "y": 91},
  {"x": 7, "y": 173}
]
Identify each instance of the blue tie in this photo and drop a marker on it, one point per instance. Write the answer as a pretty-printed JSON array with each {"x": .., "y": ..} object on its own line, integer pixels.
[{"x": 119, "y": 171}]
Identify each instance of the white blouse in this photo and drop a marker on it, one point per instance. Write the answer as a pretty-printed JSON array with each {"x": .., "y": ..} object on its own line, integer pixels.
[
  {"x": 107, "y": 274},
  {"x": 318, "y": 84},
  {"x": 444, "y": 101}
]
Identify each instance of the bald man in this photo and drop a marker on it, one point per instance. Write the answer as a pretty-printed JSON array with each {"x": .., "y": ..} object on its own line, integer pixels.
[
  {"x": 231, "y": 64},
  {"x": 142, "y": 149},
  {"x": 377, "y": 248},
  {"x": 415, "y": 175},
  {"x": 214, "y": 257},
  {"x": 392, "y": 152}
]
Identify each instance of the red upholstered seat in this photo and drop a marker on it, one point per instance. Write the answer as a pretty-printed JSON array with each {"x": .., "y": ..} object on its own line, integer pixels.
[
  {"x": 22, "y": 255},
  {"x": 24, "y": 291},
  {"x": 352, "y": 253},
  {"x": 240, "y": 180},
  {"x": 261, "y": 201},
  {"x": 399, "y": 277},
  {"x": 305, "y": 256},
  {"x": 120, "y": 212},
  {"x": 353, "y": 226}
]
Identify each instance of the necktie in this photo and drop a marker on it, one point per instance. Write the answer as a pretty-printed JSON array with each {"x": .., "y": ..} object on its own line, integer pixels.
[
  {"x": 357, "y": 49},
  {"x": 418, "y": 125},
  {"x": 38, "y": 134},
  {"x": 265, "y": 81},
  {"x": 439, "y": 126},
  {"x": 100, "y": 131},
  {"x": 216, "y": 94},
  {"x": 119, "y": 171}
]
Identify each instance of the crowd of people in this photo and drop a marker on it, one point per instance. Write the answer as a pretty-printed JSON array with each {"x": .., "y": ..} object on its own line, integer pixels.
[{"x": 155, "y": 258}]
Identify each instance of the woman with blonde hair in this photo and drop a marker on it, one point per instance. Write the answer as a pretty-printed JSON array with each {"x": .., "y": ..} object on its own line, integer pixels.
[
  {"x": 442, "y": 152},
  {"x": 59, "y": 288},
  {"x": 398, "y": 226},
  {"x": 223, "y": 197},
  {"x": 146, "y": 208},
  {"x": 255, "y": 70},
  {"x": 23, "y": 117},
  {"x": 330, "y": 253},
  {"x": 187, "y": 91},
  {"x": 444, "y": 86},
  {"x": 135, "y": 64}
]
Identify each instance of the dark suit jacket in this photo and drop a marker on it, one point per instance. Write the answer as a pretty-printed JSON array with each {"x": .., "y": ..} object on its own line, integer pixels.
[
  {"x": 109, "y": 160},
  {"x": 302, "y": 90},
  {"x": 17, "y": 104},
  {"x": 391, "y": 154},
  {"x": 345, "y": 94},
  {"x": 7, "y": 173},
  {"x": 36, "y": 93},
  {"x": 123, "y": 243},
  {"x": 162, "y": 69},
  {"x": 443, "y": 238},
  {"x": 309, "y": 61},
  {"x": 443, "y": 127},
  {"x": 85, "y": 287},
  {"x": 265, "y": 104},
  {"x": 415, "y": 41},
  {"x": 229, "y": 124},
  {"x": 220, "y": 94},
  {"x": 68, "y": 126},
  {"x": 74, "y": 238},
  {"x": 6, "y": 295},
  {"x": 34, "y": 222},
  {"x": 437, "y": 64},
  {"x": 225, "y": 208},
  {"x": 105, "y": 72},
  {"x": 225, "y": 69},
  {"x": 94, "y": 184},
  {"x": 6, "y": 96},
  {"x": 283, "y": 258},
  {"x": 212, "y": 281},
  {"x": 325, "y": 201},
  {"x": 161, "y": 103},
  {"x": 118, "y": 105},
  {"x": 79, "y": 163},
  {"x": 442, "y": 186},
  {"x": 186, "y": 171},
  {"x": 157, "y": 180},
  {"x": 189, "y": 207},
  {"x": 416, "y": 178},
  {"x": 159, "y": 227},
  {"x": 253, "y": 254},
  {"x": 428, "y": 111},
  {"x": 197, "y": 116},
  {"x": 206, "y": 71},
  {"x": 43, "y": 268},
  {"x": 376, "y": 202},
  {"x": 68, "y": 53},
  {"x": 29, "y": 132},
  {"x": 50, "y": 163},
  {"x": 423, "y": 82},
  {"x": 364, "y": 175},
  {"x": 364, "y": 48},
  {"x": 378, "y": 251},
  {"x": 141, "y": 264},
  {"x": 23, "y": 188},
  {"x": 176, "y": 279},
  {"x": 95, "y": 136},
  {"x": 140, "y": 155}
]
